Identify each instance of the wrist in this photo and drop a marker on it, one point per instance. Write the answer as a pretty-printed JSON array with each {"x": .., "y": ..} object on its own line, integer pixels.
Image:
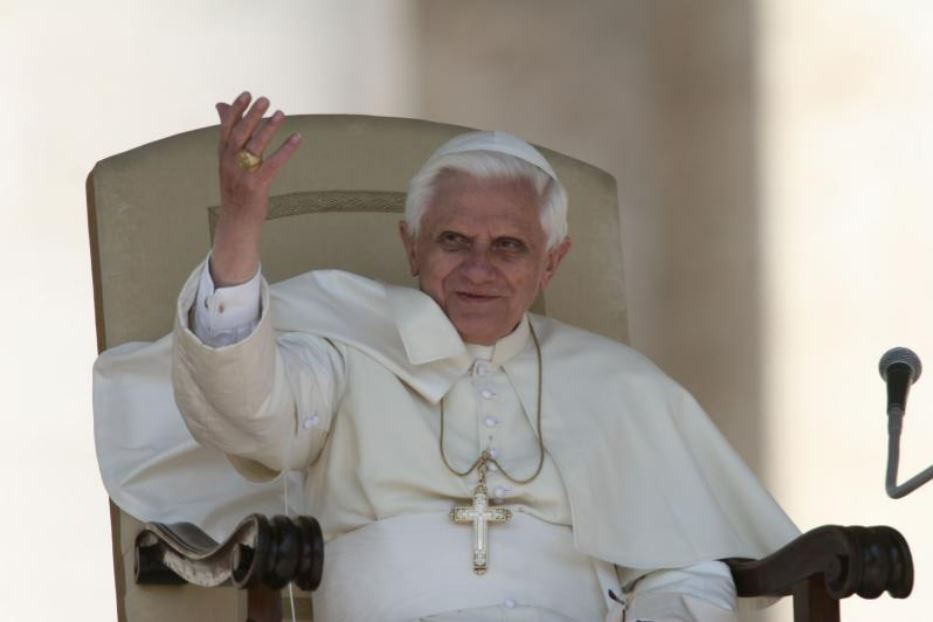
[
  {"x": 230, "y": 274},
  {"x": 234, "y": 256}
]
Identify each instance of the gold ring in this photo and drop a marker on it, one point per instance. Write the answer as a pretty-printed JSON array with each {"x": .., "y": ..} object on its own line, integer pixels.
[{"x": 247, "y": 160}]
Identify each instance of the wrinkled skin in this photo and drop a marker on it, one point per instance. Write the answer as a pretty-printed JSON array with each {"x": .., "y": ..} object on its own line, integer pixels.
[{"x": 481, "y": 253}]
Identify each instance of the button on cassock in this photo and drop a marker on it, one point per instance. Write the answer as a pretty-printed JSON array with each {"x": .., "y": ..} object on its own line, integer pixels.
[{"x": 500, "y": 491}]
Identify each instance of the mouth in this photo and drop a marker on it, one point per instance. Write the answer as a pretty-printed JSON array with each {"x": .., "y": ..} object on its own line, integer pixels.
[{"x": 473, "y": 297}]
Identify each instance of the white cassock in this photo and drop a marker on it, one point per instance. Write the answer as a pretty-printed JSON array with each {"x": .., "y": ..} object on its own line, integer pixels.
[{"x": 341, "y": 379}]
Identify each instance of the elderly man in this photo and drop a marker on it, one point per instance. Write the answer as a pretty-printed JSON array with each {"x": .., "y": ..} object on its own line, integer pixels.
[{"x": 467, "y": 460}]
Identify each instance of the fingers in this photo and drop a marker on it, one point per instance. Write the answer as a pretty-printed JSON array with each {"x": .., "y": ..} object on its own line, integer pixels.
[
  {"x": 247, "y": 129},
  {"x": 244, "y": 128},
  {"x": 270, "y": 167},
  {"x": 260, "y": 139},
  {"x": 230, "y": 114}
]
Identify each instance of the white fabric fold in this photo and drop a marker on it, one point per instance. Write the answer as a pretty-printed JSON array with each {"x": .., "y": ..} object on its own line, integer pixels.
[{"x": 151, "y": 466}]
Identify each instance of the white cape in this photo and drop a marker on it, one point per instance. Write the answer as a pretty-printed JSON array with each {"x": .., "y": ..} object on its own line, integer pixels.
[
  {"x": 650, "y": 480},
  {"x": 152, "y": 467}
]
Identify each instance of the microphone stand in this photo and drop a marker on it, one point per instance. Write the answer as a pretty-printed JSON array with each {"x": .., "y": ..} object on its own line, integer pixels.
[{"x": 895, "y": 424}]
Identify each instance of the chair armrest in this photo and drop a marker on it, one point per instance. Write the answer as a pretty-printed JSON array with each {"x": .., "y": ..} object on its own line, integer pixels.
[
  {"x": 260, "y": 552},
  {"x": 853, "y": 560}
]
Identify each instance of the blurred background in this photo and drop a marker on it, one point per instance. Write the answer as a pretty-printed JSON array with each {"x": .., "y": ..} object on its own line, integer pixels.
[{"x": 773, "y": 165}]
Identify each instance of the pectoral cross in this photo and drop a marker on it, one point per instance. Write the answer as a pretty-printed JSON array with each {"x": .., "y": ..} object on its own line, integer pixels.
[{"x": 480, "y": 514}]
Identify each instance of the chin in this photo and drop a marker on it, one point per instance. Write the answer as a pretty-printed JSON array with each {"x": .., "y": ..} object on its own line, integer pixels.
[{"x": 475, "y": 331}]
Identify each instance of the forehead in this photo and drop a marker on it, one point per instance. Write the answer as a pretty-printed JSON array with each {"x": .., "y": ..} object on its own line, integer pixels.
[{"x": 463, "y": 199}]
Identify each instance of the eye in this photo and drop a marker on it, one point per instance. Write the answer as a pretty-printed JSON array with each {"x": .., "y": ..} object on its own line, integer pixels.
[
  {"x": 510, "y": 245},
  {"x": 451, "y": 240}
]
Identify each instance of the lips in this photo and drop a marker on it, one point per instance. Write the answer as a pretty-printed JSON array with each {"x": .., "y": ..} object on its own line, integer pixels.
[{"x": 476, "y": 297}]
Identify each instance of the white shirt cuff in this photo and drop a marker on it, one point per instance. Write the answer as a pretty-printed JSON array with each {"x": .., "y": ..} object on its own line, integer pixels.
[
  {"x": 710, "y": 581},
  {"x": 702, "y": 592},
  {"x": 226, "y": 315}
]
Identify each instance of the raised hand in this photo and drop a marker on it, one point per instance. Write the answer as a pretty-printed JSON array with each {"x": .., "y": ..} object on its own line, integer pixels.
[{"x": 244, "y": 189}]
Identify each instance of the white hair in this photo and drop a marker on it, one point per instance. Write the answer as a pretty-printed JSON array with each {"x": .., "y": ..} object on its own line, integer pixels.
[{"x": 552, "y": 198}]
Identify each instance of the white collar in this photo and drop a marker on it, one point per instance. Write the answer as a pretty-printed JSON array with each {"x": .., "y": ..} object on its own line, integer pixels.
[
  {"x": 501, "y": 352},
  {"x": 401, "y": 327}
]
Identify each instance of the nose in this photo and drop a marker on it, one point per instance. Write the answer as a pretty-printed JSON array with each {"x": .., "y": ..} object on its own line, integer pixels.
[{"x": 478, "y": 267}]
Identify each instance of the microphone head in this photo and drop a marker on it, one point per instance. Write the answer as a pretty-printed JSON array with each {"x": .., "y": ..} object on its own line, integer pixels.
[{"x": 903, "y": 356}]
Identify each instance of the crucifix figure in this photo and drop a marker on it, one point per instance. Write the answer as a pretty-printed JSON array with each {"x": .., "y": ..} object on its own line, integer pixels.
[{"x": 480, "y": 514}]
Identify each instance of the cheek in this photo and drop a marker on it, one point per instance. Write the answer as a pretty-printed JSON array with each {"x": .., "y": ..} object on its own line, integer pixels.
[
  {"x": 436, "y": 278},
  {"x": 532, "y": 283}
]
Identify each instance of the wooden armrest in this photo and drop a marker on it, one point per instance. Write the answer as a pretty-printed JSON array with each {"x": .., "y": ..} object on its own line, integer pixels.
[
  {"x": 852, "y": 560},
  {"x": 260, "y": 552},
  {"x": 827, "y": 564}
]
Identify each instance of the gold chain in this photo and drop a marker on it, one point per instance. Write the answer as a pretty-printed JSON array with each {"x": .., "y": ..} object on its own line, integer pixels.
[{"x": 485, "y": 459}]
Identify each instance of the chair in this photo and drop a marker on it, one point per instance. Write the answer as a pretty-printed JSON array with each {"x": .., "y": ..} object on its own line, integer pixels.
[{"x": 336, "y": 204}]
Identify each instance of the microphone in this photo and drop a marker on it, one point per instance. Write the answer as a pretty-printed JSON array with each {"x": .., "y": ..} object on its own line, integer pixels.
[{"x": 899, "y": 368}]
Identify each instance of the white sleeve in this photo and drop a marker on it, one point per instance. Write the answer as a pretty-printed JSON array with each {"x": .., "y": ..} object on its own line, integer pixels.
[
  {"x": 224, "y": 316},
  {"x": 702, "y": 592},
  {"x": 267, "y": 400}
]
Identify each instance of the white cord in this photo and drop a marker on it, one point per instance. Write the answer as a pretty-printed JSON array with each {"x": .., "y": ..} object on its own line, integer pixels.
[{"x": 291, "y": 591}]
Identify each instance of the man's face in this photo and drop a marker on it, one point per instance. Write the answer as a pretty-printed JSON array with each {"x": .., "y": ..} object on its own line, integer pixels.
[{"x": 481, "y": 253}]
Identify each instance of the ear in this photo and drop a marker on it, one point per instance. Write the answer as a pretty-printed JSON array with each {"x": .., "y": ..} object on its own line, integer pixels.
[
  {"x": 554, "y": 257},
  {"x": 409, "y": 242}
]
